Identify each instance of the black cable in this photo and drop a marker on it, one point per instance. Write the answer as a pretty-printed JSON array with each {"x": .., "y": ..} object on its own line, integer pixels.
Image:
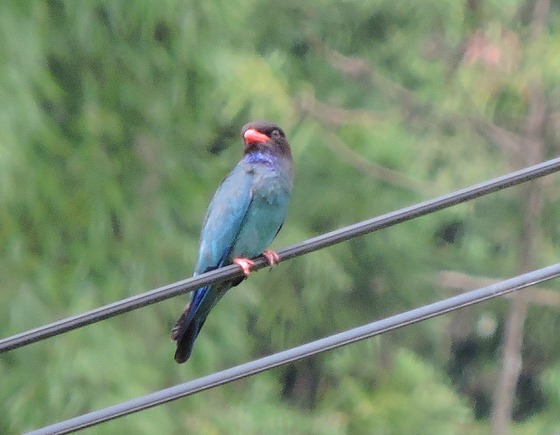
[
  {"x": 307, "y": 246},
  {"x": 303, "y": 351}
]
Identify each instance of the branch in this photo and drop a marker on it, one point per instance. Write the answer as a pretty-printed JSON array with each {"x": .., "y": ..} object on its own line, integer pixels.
[
  {"x": 335, "y": 116},
  {"x": 532, "y": 150},
  {"x": 461, "y": 281},
  {"x": 338, "y": 116},
  {"x": 354, "y": 67},
  {"x": 387, "y": 175},
  {"x": 507, "y": 141}
]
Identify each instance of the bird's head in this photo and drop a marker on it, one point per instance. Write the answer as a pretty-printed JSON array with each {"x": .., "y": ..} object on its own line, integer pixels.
[{"x": 262, "y": 132}]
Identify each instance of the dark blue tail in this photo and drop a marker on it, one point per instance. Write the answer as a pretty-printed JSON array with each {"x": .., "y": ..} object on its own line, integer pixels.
[
  {"x": 188, "y": 326},
  {"x": 190, "y": 323}
]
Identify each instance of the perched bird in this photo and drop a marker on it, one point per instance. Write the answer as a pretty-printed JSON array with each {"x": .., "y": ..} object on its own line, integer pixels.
[{"x": 243, "y": 218}]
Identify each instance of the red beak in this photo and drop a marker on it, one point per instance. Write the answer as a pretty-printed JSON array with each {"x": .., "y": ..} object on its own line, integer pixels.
[{"x": 254, "y": 136}]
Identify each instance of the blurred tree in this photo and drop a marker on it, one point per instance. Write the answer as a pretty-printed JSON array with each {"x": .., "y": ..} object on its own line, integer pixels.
[{"x": 119, "y": 120}]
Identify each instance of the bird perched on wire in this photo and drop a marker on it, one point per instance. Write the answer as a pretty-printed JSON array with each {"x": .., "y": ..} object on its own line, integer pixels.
[{"x": 243, "y": 218}]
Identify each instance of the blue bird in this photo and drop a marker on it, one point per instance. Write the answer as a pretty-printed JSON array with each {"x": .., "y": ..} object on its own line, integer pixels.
[{"x": 243, "y": 218}]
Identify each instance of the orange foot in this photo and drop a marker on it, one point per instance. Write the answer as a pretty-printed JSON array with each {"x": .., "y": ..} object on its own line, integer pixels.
[
  {"x": 271, "y": 256},
  {"x": 245, "y": 264}
]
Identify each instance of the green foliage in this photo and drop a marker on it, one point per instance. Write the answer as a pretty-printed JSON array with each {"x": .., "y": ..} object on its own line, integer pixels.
[
  {"x": 376, "y": 393},
  {"x": 120, "y": 118}
]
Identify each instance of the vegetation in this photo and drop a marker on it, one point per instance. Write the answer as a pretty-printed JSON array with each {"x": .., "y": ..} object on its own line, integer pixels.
[{"x": 119, "y": 119}]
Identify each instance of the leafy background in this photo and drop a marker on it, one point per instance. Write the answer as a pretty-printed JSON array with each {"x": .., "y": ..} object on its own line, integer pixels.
[{"x": 119, "y": 119}]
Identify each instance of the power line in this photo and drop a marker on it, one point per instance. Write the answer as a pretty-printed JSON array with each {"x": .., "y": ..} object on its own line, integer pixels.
[
  {"x": 303, "y": 351},
  {"x": 310, "y": 245}
]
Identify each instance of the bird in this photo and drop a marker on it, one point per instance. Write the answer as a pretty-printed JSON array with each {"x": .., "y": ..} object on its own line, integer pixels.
[{"x": 243, "y": 218}]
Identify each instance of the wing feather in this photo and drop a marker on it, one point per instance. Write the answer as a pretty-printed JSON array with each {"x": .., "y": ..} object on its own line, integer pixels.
[{"x": 224, "y": 218}]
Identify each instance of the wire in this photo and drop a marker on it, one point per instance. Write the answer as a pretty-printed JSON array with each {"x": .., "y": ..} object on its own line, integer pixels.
[
  {"x": 303, "y": 351},
  {"x": 313, "y": 244}
]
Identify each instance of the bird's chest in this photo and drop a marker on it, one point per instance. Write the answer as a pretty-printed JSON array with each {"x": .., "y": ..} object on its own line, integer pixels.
[
  {"x": 270, "y": 185},
  {"x": 267, "y": 191},
  {"x": 269, "y": 199}
]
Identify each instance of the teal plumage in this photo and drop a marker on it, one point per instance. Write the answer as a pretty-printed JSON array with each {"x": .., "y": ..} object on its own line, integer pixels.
[{"x": 243, "y": 218}]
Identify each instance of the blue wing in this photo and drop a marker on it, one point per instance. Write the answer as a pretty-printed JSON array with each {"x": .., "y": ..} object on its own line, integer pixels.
[
  {"x": 221, "y": 227},
  {"x": 224, "y": 219}
]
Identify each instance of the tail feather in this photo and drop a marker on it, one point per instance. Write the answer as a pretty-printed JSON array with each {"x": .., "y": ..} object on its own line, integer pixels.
[
  {"x": 188, "y": 326},
  {"x": 185, "y": 334},
  {"x": 190, "y": 323}
]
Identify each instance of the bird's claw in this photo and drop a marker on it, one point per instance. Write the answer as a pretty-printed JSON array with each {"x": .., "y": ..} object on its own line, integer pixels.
[
  {"x": 271, "y": 256},
  {"x": 245, "y": 265}
]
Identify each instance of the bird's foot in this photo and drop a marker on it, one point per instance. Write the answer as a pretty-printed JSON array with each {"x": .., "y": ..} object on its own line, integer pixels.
[
  {"x": 245, "y": 264},
  {"x": 271, "y": 256}
]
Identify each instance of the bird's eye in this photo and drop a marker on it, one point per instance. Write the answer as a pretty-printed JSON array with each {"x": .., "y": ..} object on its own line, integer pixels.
[{"x": 275, "y": 133}]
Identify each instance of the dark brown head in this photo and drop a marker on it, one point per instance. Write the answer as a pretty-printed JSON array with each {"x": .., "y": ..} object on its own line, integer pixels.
[{"x": 264, "y": 135}]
